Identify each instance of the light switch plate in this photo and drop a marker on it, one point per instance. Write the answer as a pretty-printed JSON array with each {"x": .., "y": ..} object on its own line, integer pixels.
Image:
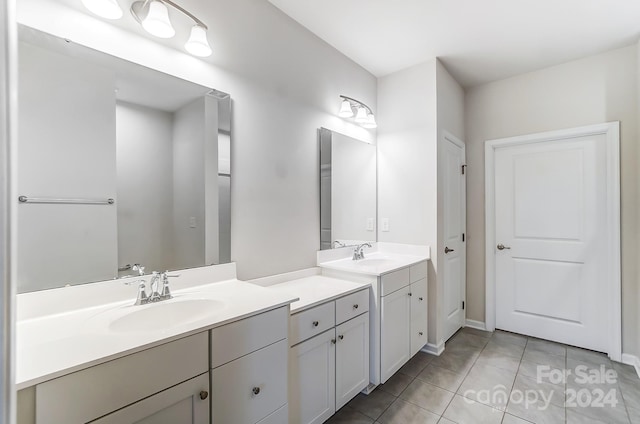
[
  {"x": 385, "y": 224},
  {"x": 369, "y": 224}
]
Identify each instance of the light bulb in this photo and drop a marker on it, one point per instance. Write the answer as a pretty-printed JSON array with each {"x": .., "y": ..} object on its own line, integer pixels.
[
  {"x": 197, "y": 44},
  {"x": 108, "y": 9},
  {"x": 361, "y": 117},
  {"x": 345, "y": 110},
  {"x": 157, "y": 20},
  {"x": 371, "y": 122}
]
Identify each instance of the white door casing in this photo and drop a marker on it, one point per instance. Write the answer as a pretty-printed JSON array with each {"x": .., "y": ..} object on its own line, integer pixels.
[
  {"x": 452, "y": 160},
  {"x": 553, "y": 202}
]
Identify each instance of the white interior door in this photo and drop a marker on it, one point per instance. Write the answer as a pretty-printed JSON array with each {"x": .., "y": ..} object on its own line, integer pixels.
[
  {"x": 454, "y": 253},
  {"x": 551, "y": 269}
]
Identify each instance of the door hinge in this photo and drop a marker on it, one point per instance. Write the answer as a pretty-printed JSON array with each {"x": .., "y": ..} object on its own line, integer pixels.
[
  {"x": 463, "y": 168},
  {"x": 462, "y": 236},
  {"x": 463, "y": 304}
]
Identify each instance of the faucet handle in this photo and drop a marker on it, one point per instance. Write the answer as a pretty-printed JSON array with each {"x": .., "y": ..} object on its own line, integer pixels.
[
  {"x": 166, "y": 293},
  {"x": 138, "y": 268},
  {"x": 142, "y": 294}
]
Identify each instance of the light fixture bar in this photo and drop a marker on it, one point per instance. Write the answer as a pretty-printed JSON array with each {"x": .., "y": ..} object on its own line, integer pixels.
[
  {"x": 356, "y": 103},
  {"x": 138, "y": 6},
  {"x": 364, "y": 115}
]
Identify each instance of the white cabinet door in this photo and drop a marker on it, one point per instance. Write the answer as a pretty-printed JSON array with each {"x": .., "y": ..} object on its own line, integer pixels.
[
  {"x": 395, "y": 324},
  {"x": 418, "y": 315},
  {"x": 180, "y": 404},
  {"x": 352, "y": 358},
  {"x": 250, "y": 388},
  {"x": 312, "y": 384}
]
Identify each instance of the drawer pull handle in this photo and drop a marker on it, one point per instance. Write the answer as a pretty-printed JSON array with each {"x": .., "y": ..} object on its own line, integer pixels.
[
  {"x": 316, "y": 323},
  {"x": 410, "y": 294},
  {"x": 420, "y": 333},
  {"x": 256, "y": 390},
  {"x": 355, "y": 306},
  {"x": 333, "y": 341},
  {"x": 204, "y": 394},
  {"x": 420, "y": 299},
  {"x": 341, "y": 336}
]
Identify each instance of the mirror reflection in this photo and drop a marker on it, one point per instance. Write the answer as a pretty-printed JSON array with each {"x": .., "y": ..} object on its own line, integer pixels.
[
  {"x": 347, "y": 190},
  {"x": 93, "y": 127}
]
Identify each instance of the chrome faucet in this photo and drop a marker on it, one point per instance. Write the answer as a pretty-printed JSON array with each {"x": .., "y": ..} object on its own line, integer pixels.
[
  {"x": 155, "y": 295},
  {"x": 358, "y": 253}
]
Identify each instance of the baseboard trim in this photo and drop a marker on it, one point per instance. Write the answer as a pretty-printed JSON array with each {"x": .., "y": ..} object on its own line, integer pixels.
[
  {"x": 478, "y": 325},
  {"x": 632, "y": 360},
  {"x": 433, "y": 349}
]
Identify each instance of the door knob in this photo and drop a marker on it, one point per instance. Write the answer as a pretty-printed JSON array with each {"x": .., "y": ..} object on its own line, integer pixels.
[
  {"x": 502, "y": 247},
  {"x": 447, "y": 250}
]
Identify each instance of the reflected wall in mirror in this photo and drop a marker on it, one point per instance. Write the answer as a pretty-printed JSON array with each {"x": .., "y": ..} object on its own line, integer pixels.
[
  {"x": 347, "y": 190},
  {"x": 96, "y": 127}
]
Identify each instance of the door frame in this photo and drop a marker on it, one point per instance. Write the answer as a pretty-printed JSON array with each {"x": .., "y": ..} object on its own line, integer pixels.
[
  {"x": 611, "y": 131},
  {"x": 8, "y": 140},
  {"x": 448, "y": 137}
]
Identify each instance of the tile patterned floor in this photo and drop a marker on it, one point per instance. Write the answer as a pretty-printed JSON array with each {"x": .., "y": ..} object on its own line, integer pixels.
[{"x": 503, "y": 378}]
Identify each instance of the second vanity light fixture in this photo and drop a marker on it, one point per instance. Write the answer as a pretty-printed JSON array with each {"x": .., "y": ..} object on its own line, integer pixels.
[
  {"x": 153, "y": 15},
  {"x": 363, "y": 114}
]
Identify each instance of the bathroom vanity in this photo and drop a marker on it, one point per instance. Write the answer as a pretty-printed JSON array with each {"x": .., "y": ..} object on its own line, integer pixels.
[
  {"x": 197, "y": 358},
  {"x": 398, "y": 310}
]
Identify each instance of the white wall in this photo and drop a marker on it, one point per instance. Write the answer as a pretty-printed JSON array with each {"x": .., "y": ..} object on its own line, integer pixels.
[
  {"x": 189, "y": 186},
  {"x": 407, "y": 165},
  {"x": 66, "y": 150},
  {"x": 592, "y": 90},
  {"x": 278, "y": 105},
  {"x": 144, "y": 149},
  {"x": 353, "y": 189}
]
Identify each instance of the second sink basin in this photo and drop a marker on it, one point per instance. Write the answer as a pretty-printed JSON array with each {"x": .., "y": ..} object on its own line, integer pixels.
[{"x": 165, "y": 315}]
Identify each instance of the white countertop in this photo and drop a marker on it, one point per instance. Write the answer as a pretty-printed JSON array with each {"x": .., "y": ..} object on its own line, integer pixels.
[
  {"x": 54, "y": 345},
  {"x": 375, "y": 264},
  {"x": 316, "y": 290}
]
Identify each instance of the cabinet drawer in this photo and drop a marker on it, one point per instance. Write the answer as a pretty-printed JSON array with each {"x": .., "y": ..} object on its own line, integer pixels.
[
  {"x": 351, "y": 306},
  {"x": 239, "y": 338},
  {"x": 313, "y": 321},
  {"x": 91, "y": 393},
  {"x": 250, "y": 388},
  {"x": 418, "y": 271},
  {"x": 395, "y": 280}
]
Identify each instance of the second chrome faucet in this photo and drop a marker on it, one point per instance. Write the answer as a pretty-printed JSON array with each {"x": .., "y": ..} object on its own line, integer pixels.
[{"x": 358, "y": 253}]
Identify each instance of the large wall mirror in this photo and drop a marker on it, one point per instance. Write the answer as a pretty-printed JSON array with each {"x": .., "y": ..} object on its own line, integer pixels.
[
  {"x": 347, "y": 190},
  {"x": 117, "y": 165}
]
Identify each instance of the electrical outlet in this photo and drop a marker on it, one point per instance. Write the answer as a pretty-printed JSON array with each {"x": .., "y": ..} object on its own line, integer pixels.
[
  {"x": 385, "y": 224},
  {"x": 369, "y": 224}
]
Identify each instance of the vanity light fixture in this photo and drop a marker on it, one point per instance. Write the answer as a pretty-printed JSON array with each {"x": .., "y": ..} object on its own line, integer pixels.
[
  {"x": 108, "y": 9},
  {"x": 363, "y": 116},
  {"x": 153, "y": 15}
]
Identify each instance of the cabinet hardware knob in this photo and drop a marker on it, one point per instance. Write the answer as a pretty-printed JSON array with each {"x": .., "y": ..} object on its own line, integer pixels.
[
  {"x": 256, "y": 390},
  {"x": 341, "y": 336},
  {"x": 410, "y": 294},
  {"x": 420, "y": 299},
  {"x": 333, "y": 341},
  {"x": 204, "y": 394},
  {"x": 447, "y": 250},
  {"x": 502, "y": 247},
  {"x": 420, "y": 333},
  {"x": 315, "y": 323},
  {"x": 355, "y": 306}
]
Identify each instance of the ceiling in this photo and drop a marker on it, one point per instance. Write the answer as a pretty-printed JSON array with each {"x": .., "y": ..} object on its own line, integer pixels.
[{"x": 477, "y": 40}]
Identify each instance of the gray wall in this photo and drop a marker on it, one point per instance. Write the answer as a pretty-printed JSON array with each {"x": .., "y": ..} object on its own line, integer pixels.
[
  {"x": 144, "y": 148},
  {"x": 592, "y": 90},
  {"x": 65, "y": 152}
]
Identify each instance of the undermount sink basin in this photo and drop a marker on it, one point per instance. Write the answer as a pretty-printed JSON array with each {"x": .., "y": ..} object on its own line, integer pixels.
[
  {"x": 165, "y": 315},
  {"x": 375, "y": 262}
]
